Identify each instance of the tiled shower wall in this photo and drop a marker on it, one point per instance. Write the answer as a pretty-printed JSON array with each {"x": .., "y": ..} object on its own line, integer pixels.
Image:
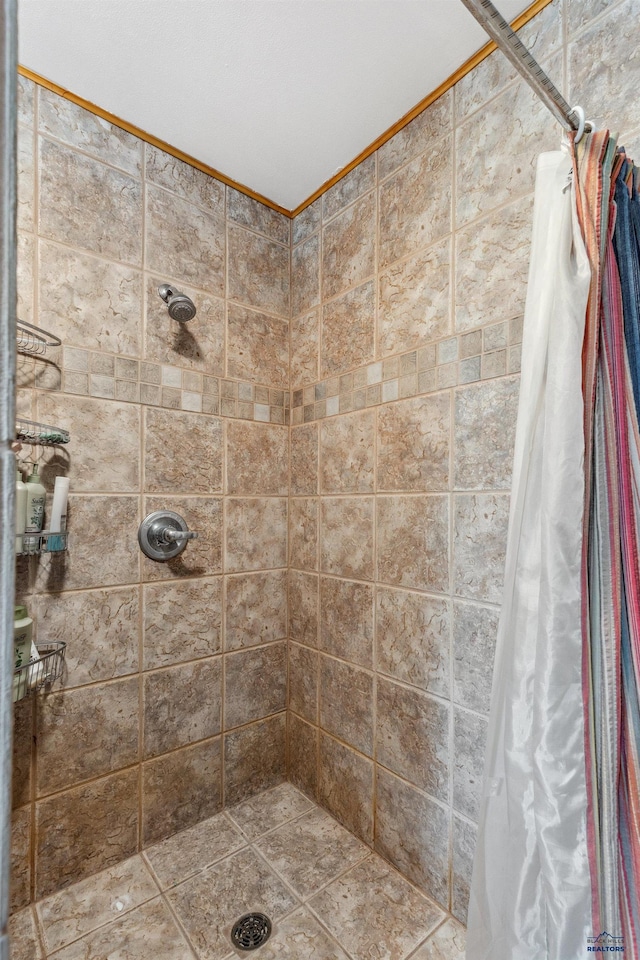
[
  {"x": 408, "y": 287},
  {"x": 154, "y": 729}
]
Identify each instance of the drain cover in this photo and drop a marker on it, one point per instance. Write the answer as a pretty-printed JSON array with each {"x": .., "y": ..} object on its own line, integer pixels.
[{"x": 251, "y": 931}]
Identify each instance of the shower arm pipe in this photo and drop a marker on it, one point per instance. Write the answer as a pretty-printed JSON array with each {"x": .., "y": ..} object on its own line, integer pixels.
[{"x": 515, "y": 51}]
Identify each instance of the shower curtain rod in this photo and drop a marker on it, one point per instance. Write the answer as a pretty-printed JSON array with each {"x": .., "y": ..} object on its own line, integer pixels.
[{"x": 515, "y": 51}]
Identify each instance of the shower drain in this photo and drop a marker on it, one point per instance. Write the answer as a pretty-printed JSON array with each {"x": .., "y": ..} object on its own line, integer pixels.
[{"x": 251, "y": 931}]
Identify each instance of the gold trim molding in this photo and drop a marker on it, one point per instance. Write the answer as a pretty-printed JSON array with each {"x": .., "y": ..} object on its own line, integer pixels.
[{"x": 461, "y": 72}]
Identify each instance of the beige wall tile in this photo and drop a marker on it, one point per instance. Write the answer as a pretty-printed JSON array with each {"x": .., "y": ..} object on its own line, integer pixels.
[
  {"x": 77, "y": 834},
  {"x": 257, "y": 459},
  {"x": 26, "y": 256},
  {"x": 347, "y": 453},
  {"x": 508, "y": 150},
  {"x": 413, "y": 542},
  {"x": 242, "y": 776},
  {"x": 479, "y": 542},
  {"x": 183, "y": 622},
  {"x": 100, "y": 628},
  {"x": 414, "y": 299},
  {"x": 305, "y": 348},
  {"x": 257, "y": 216},
  {"x": 303, "y": 533},
  {"x": 346, "y": 537},
  {"x": 184, "y": 180},
  {"x": 303, "y": 607},
  {"x": 469, "y": 741},
  {"x": 361, "y": 179},
  {"x": 474, "y": 638},
  {"x": 94, "y": 728},
  {"x": 20, "y": 865},
  {"x": 22, "y": 748},
  {"x": 182, "y": 704},
  {"x": 26, "y": 179},
  {"x": 263, "y": 672},
  {"x": 492, "y": 264},
  {"x": 345, "y": 786},
  {"x": 305, "y": 276},
  {"x": 77, "y": 127},
  {"x": 105, "y": 454},
  {"x": 166, "y": 806},
  {"x": 348, "y": 330},
  {"x": 464, "y": 845},
  {"x": 606, "y": 89},
  {"x": 412, "y": 737},
  {"x": 302, "y": 742},
  {"x": 346, "y": 620},
  {"x": 258, "y": 271},
  {"x": 346, "y": 703},
  {"x": 348, "y": 247},
  {"x": 255, "y": 609},
  {"x": 26, "y": 98},
  {"x": 100, "y": 196},
  {"x": 412, "y": 832},
  {"x": 198, "y": 440},
  {"x": 303, "y": 682},
  {"x": 105, "y": 548},
  {"x": 23, "y": 935},
  {"x": 304, "y": 460},
  {"x": 412, "y": 639},
  {"x": 418, "y": 136},
  {"x": 197, "y": 345},
  {"x": 307, "y": 222},
  {"x": 485, "y": 426},
  {"x": 413, "y": 444},
  {"x": 256, "y": 534},
  {"x": 202, "y": 557},
  {"x": 415, "y": 204},
  {"x": 257, "y": 347},
  {"x": 184, "y": 241}
]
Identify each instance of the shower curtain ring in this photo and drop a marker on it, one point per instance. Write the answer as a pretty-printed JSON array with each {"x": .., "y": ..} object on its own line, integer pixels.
[{"x": 581, "y": 122}]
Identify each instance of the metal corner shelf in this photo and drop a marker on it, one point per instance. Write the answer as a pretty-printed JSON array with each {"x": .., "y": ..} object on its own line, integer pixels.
[
  {"x": 43, "y": 434},
  {"x": 42, "y": 672},
  {"x": 33, "y": 340},
  {"x": 34, "y": 544}
]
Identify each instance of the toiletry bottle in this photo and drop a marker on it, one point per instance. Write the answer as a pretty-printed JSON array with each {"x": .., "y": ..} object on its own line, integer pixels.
[
  {"x": 22, "y": 630},
  {"x": 58, "y": 520},
  {"x": 36, "y": 495},
  {"x": 21, "y": 510}
]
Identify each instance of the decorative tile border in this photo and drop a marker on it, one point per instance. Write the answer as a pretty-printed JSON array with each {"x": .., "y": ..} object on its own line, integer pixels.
[
  {"x": 94, "y": 374},
  {"x": 480, "y": 354}
]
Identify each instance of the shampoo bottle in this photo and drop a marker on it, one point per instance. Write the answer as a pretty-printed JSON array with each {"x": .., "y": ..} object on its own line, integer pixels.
[
  {"x": 21, "y": 510},
  {"x": 22, "y": 630},
  {"x": 36, "y": 495}
]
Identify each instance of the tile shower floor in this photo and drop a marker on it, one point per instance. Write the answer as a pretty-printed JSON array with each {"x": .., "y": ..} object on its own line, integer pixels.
[{"x": 328, "y": 896}]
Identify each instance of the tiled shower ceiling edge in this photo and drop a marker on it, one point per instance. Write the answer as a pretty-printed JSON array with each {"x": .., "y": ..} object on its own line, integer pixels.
[{"x": 457, "y": 75}]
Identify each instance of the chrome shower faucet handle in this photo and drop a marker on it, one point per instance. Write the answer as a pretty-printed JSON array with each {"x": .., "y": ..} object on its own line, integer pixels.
[{"x": 163, "y": 535}]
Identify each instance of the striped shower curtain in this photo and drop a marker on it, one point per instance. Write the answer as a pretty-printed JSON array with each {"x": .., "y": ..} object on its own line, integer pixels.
[
  {"x": 557, "y": 865},
  {"x": 609, "y": 212}
]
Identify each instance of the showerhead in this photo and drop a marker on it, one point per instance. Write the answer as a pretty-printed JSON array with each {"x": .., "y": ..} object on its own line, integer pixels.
[{"x": 181, "y": 307}]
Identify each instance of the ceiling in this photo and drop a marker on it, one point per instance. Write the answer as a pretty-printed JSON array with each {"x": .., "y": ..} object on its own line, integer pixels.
[{"x": 277, "y": 94}]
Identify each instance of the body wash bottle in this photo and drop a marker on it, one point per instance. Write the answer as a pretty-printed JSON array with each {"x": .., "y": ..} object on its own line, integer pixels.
[
  {"x": 21, "y": 511},
  {"x": 36, "y": 495}
]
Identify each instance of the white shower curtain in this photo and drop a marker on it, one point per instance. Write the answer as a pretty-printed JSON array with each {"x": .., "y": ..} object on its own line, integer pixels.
[{"x": 530, "y": 893}]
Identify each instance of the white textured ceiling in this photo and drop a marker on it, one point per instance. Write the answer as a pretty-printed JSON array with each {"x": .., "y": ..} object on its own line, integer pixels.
[{"x": 278, "y": 94}]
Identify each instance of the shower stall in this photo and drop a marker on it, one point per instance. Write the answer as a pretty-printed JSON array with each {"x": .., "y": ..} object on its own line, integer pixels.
[{"x": 333, "y": 413}]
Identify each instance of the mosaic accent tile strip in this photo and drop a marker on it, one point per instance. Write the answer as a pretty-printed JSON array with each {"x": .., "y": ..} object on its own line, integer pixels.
[
  {"x": 93, "y": 374},
  {"x": 481, "y": 354}
]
